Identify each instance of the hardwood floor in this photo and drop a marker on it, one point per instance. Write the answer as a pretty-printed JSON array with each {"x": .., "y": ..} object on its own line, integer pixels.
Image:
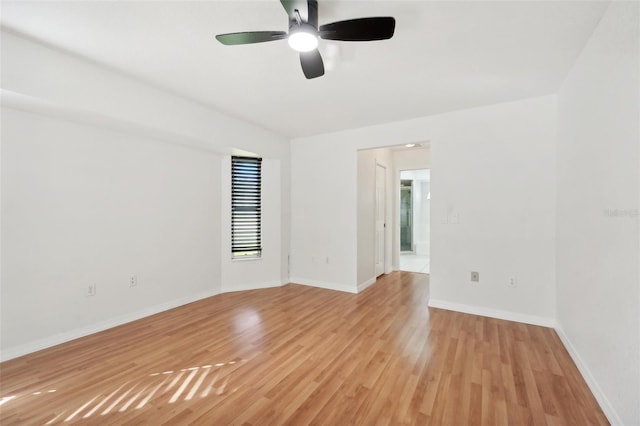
[{"x": 299, "y": 355}]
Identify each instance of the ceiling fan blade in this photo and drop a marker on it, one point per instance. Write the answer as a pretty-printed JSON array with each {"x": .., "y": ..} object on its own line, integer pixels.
[
  {"x": 250, "y": 37},
  {"x": 312, "y": 65},
  {"x": 363, "y": 29}
]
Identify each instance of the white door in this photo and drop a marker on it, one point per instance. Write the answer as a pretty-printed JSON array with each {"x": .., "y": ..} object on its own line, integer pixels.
[{"x": 380, "y": 217}]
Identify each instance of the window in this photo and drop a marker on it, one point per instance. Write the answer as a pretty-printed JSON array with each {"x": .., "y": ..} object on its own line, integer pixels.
[{"x": 246, "y": 205}]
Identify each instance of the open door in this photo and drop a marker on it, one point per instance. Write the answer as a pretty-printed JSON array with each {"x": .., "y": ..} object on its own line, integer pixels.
[{"x": 381, "y": 176}]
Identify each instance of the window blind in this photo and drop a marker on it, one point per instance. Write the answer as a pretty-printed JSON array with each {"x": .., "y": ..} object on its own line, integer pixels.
[{"x": 246, "y": 206}]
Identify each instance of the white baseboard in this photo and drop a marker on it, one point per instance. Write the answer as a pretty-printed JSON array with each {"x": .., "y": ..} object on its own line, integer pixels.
[
  {"x": 323, "y": 284},
  {"x": 67, "y": 336},
  {"x": 254, "y": 286},
  {"x": 597, "y": 392},
  {"x": 493, "y": 313},
  {"x": 365, "y": 284}
]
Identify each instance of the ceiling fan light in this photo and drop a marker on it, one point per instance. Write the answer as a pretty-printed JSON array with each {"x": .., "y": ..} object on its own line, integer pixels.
[{"x": 303, "y": 41}]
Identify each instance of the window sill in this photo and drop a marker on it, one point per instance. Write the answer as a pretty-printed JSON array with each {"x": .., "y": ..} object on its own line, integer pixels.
[{"x": 245, "y": 259}]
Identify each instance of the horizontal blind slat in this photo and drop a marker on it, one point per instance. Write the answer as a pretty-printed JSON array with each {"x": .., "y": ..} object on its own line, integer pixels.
[{"x": 246, "y": 206}]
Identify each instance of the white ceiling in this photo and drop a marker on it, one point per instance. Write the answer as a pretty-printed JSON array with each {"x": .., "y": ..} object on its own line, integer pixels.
[{"x": 444, "y": 55}]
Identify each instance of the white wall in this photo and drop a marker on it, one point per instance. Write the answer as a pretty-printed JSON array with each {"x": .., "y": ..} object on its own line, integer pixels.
[
  {"x": 597, "y": 248},
  {"x": 104, "y": 176},
  {"x": 421, "y": 217},
  {"x": 324, "y": 202},
  {"x": 415, "y": 174},
  {"x": 324, "y": 208},
  {"x": 493, "y": 166},
  {"x": 72, "y": 86},
  {"x": 412, "y": 159},
  {"x": 83, "y": 205},
  {"x": 493, "y": 210}
]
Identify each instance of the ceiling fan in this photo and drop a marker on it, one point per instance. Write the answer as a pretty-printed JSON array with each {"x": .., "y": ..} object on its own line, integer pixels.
[{"x": 304, "y": 33}]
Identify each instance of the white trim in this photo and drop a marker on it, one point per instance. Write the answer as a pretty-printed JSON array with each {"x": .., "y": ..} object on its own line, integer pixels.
[
  {"x": 597, "y": 392},
  {"x": 67, "y": 336},
  {"x": 254, "y": 286},
  {"x": 323, "y": 284},
  {"x": 375, "y": 225},
  {"x": 245, "y": 258},
  {"x": 363, "y": 285},
  {"x": 493, "y": 313}
]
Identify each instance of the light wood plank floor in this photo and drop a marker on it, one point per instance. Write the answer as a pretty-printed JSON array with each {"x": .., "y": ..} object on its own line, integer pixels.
[{"x": 300, "y": 355}]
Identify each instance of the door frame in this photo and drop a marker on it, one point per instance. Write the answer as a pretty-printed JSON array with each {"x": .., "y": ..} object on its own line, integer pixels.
[{"x": 380, "y": 247}]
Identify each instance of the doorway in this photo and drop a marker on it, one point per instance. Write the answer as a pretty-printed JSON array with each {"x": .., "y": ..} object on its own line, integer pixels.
[{"x": 415, "y": 197}]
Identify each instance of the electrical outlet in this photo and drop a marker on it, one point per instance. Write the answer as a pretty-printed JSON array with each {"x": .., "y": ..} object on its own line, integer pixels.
[
  {"x": 133, "y": 280},
  {"x": 475, "y": 277},
  {"x": 513, "y": 282},
  {"x": 91, "y": 290}
]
